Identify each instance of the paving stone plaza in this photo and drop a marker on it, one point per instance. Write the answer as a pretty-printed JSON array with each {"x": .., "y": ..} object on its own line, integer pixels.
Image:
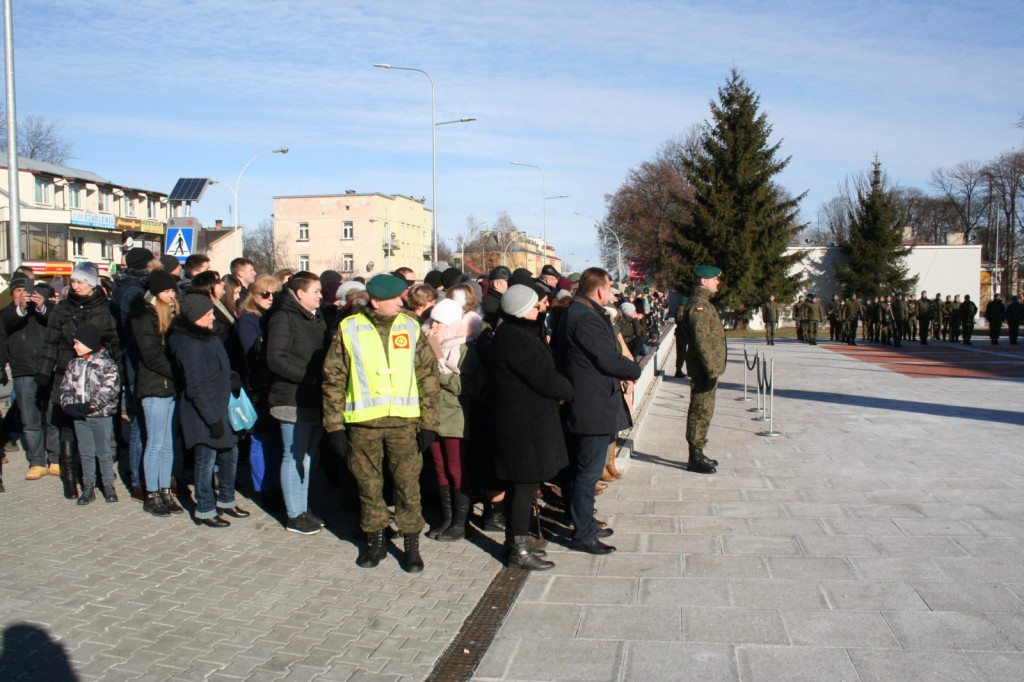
[{"x": 880, "y": 537}]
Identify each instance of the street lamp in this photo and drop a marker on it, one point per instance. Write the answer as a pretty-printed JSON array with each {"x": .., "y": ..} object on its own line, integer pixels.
[
  {"x": 612, "y": 233},
  {"x": 461, "y": 251},
  {"x": 544, "y": 205},
  {"x": 504, "y": 253},
  {"x": 238, "y": 220}
]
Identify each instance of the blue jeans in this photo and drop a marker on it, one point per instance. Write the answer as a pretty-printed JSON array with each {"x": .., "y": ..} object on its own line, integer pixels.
[
  {"x": 265, "y": 460},
  {"x": 591, "y": 457},
  {"x": 227, "y": 464},
  {"x": 159, "y": 455},
  {"x": 93, "y": 435},
  {"x": 301, "y": 442},
  {"x": 26, "y": 389},
  {"x": 136, "y": 438}
]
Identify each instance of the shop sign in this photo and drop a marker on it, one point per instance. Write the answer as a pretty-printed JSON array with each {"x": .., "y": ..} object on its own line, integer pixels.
[
  {"x": 105, "y": 222},
  {"x": 152, "y": 227},
  {"x": 128, "y": 224}
]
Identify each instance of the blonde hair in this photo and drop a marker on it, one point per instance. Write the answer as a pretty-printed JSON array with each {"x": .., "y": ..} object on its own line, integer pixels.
[
  {"x": 165, "y": 312},
  {"x": 262, "y": 283}
]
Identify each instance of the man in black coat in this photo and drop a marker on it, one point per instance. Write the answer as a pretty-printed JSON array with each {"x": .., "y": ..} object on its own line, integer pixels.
[
  {"x": 1014, "y": 314},
  {"x": 497, "y": 284},
  {"x": 995, "y": 314},
  {"x": 586, "y": 353}
]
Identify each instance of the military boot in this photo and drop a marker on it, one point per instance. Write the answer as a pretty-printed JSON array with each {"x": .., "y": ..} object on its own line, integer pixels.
[
  {"x": 375, "y": 551},
  {"x": 412, "y": 562},
  {"x": 699, "y": 463}
]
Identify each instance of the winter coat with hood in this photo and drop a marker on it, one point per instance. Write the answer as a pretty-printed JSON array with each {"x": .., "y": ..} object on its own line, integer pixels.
[
  {"x": 204, "y": 378},
  {"x": 70, "y": 314},
  {"x": 26, "y": 334},
  {"x": 92, "y": 379},
  {"x": 456, "y": 370},
  {"x": 155, "y": 374},
  {"x": 296, "y": 345}
]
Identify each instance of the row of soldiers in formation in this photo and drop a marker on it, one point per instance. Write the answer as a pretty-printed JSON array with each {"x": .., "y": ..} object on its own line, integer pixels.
[{"x": 886, "y": 319}]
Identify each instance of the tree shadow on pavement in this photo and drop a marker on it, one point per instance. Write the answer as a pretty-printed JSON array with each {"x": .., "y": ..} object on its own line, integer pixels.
[{"x": 896, "y": 405}]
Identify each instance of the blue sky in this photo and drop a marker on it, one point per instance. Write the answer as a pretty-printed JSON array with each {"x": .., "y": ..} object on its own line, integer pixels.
[{"x": 155, "y": 90}]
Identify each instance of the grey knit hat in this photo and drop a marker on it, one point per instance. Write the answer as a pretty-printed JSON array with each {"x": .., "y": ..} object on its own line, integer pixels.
[
  {"x": 518, "y": 300},
  {"x": 86, "y": 272},
  {"x": 628, "y": 309}
]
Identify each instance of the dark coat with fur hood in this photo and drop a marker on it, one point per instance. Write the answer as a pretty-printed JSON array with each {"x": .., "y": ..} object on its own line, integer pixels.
[{"x": 205, "y": 381}]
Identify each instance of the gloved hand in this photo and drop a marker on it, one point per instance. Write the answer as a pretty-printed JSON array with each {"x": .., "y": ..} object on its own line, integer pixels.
[
  {"x": 424, "y": 438},
  {"x": 78, "y": 410},
  {"x": 217, "y": 429},
  {"x": 337, "y": 441},
  {"x": 236, "y": 383},
  {"x": 3, "y": 376}
]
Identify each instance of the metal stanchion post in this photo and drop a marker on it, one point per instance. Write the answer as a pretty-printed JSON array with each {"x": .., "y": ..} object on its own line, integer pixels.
[
  {"x": 771, "y": 432},
  {"x": 746, "y": 366},
  {"x": 762, "y": 389}
]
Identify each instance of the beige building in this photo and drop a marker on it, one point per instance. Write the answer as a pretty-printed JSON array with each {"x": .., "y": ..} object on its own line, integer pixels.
[
  {"x": 355, "y": 234},
  {"x": 514, "y": 249}
]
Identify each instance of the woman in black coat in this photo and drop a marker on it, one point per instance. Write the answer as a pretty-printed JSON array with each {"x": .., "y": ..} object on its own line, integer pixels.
[
  {"x": 86, "y": 304},
  {"x": 529, "y": 447},
  {"x": 205, "y": 378}
]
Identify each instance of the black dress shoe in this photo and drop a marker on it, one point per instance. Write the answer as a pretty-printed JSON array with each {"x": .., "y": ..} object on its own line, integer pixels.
[
  {"x": 237, "y": 512},
  {"x": 603, "y": 533},
  {"x": 595, "y": 546},
  {"x": 215, "y": 522}
]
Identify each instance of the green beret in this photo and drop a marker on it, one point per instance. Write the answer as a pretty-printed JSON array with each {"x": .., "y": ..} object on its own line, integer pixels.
[
  {"x": 707, "y": 272},
  {"x": 575, "y": 276},
  {"x": 385, "y": 286}
]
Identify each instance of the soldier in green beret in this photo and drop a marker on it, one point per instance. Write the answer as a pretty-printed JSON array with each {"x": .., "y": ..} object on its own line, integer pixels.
[
  {"x": 705, "y": 362},
  {"x": 834, "y": 323},
  {"x": 924, "y": 317},
  {"x": 770, "y": 315},
  {"x": 854, "y": 312},
  {"x": 813, "y": 313},
  {"x": 381, "y": 388}
]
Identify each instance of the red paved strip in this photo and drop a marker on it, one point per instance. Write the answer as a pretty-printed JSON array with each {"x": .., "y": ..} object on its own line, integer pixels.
[{"x": 936, "y": 360}]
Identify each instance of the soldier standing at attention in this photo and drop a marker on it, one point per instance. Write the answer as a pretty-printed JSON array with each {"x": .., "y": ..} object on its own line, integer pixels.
[
  {"x": 954, "y": 319},
  {"x": 995, "y": 313},
  {"x": 798, "y": 317},
  {"x": 854, "y": 311},
  {"x": 911, "y": 317},
  {"x": 947, "y": 316},
  {"x": 834, "y": 325},
  {"x": 813, "y": 313},
  {"x": 937, "y": 317},
  {"x": 1014, "y": 311},
  {"x": 968, "y": 311},
  {"x": 924, "y": 316},
  {"x": 381, "y": 387},
  {"x": 770, "y": 315},
  {"x": 705, "y": 362}
]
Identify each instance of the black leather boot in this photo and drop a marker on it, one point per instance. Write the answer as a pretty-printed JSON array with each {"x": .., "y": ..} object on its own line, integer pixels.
[
  {"x": 699, "y": 463},
  {"x": 700, "y": 453},
  {"x": 457, "y": 529},
  {"x": 154, "y": 505},
  {"x": 445, "y": 493},
  {"x": 109, "y": 493},
  {"x": 68, "y": 475},
  {"x": 520, "y": 555},
  {"x": 412, "y": 562},
  {"x": 88, "y": 493},
  {"x": 167, "y": 499},
  {"x": 375, "y": 552},
  {"x": 494, "y": 516}
]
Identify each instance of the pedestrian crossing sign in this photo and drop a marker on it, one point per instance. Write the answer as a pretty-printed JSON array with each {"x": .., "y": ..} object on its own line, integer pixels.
[{"x": 180, "y": 242}]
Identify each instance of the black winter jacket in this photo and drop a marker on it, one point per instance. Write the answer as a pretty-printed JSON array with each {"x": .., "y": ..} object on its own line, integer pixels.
[
  {"x": 205, "y": 381},
  {"x": 296, "y": 345},
  {"x": 66, "y": 318},
  {"x": 527, "y": 441},
  {"x": 586, "y": 353},
  {"x": 154, "y": 377},
  {"x": 25, "y": 337}
]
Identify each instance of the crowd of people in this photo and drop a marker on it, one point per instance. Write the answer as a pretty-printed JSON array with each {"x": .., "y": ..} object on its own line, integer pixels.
[
  {"x": 509, "y": 388},
  {"x": 892, "y": 320}
]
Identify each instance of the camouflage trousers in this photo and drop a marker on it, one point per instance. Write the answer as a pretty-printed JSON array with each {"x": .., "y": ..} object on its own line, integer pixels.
[
  {"x": 702, "y": 408},
  {"x": 369, "y": 449},
  {"x": 769, "y": 331}
]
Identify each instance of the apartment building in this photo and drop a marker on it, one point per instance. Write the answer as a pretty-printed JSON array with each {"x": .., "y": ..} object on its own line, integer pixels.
[
  {"x": 70, "y": 215},
  {"x": 353, "y": 233}
]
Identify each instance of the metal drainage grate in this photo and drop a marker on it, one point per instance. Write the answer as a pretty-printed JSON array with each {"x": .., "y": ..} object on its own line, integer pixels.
[{"x": 465, "y": 652}]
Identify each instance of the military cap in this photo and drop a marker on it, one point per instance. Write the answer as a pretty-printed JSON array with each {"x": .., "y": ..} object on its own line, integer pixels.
[
  {"x": 550, "y": 270},
  {"x": 500, "y": 272},
  {"x": 575, "y": 276},
  {"x": 384, "y": 287},
  {"x": 707, "y": 272}
]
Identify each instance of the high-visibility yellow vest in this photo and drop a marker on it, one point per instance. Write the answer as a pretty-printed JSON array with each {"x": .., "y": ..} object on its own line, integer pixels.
[{"x": 380, "y": 383}]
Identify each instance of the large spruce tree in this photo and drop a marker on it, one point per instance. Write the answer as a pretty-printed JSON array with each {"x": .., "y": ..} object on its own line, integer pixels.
[
  {"x": 738, "y": 218},
  {"x": 874, "y": 249}
]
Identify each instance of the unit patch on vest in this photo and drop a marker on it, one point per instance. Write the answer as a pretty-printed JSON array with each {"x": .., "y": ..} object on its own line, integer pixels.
[{"x": 400, "y": 341}]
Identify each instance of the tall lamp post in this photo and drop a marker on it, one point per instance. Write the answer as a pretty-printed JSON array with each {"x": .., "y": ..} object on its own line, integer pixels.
[
  {"x": 238, "y": 218},
  {"x": 461, "y": 251},
  {"x": 618, "y": 241},
  {"x": 433, "y": 151},
  {"x": 544, "y": 205}
]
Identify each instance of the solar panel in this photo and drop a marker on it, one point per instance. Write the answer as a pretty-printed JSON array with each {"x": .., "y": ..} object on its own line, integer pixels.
[{"x": 189, "y": 189}]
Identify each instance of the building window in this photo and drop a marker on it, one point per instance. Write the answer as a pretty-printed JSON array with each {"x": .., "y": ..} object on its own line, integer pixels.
[
  {"x": 103, "y": 201},
  {"x": 347, "y": 230},
  {"x": 107, "y": 250},
  {"x": 303, "y": 232},
  {"x": 44, "y": 192},
  {"x": 348, "y": 263},
  {"x": 129, "y": 207},
  {"x": 42, "y": 241},
  {"x": 303, "y": 261},
  {"x": 74, "y": 196},
  {"x": 151, "y": 207},
  {"x": 77, "y": 247}
]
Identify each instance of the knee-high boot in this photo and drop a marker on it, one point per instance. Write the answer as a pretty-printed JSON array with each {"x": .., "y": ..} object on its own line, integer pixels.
[
  {"x": 68, "y": 471},
  {"x": 445, "y": 492}
]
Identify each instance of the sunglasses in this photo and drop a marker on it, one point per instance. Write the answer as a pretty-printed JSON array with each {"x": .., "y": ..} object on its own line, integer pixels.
[{"x": 265, "y": 294}]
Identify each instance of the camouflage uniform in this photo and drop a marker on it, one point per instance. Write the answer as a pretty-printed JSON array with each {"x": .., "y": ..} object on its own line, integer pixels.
[
  {"x": 834, "y": 319},
  {"x": 813, "y": 313},
  {"x": 387, "y": 438},
  {"x": 770, "y": 315},
  {"x": 705, "y": 362},
  {"x": 854, "y": 311}
]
